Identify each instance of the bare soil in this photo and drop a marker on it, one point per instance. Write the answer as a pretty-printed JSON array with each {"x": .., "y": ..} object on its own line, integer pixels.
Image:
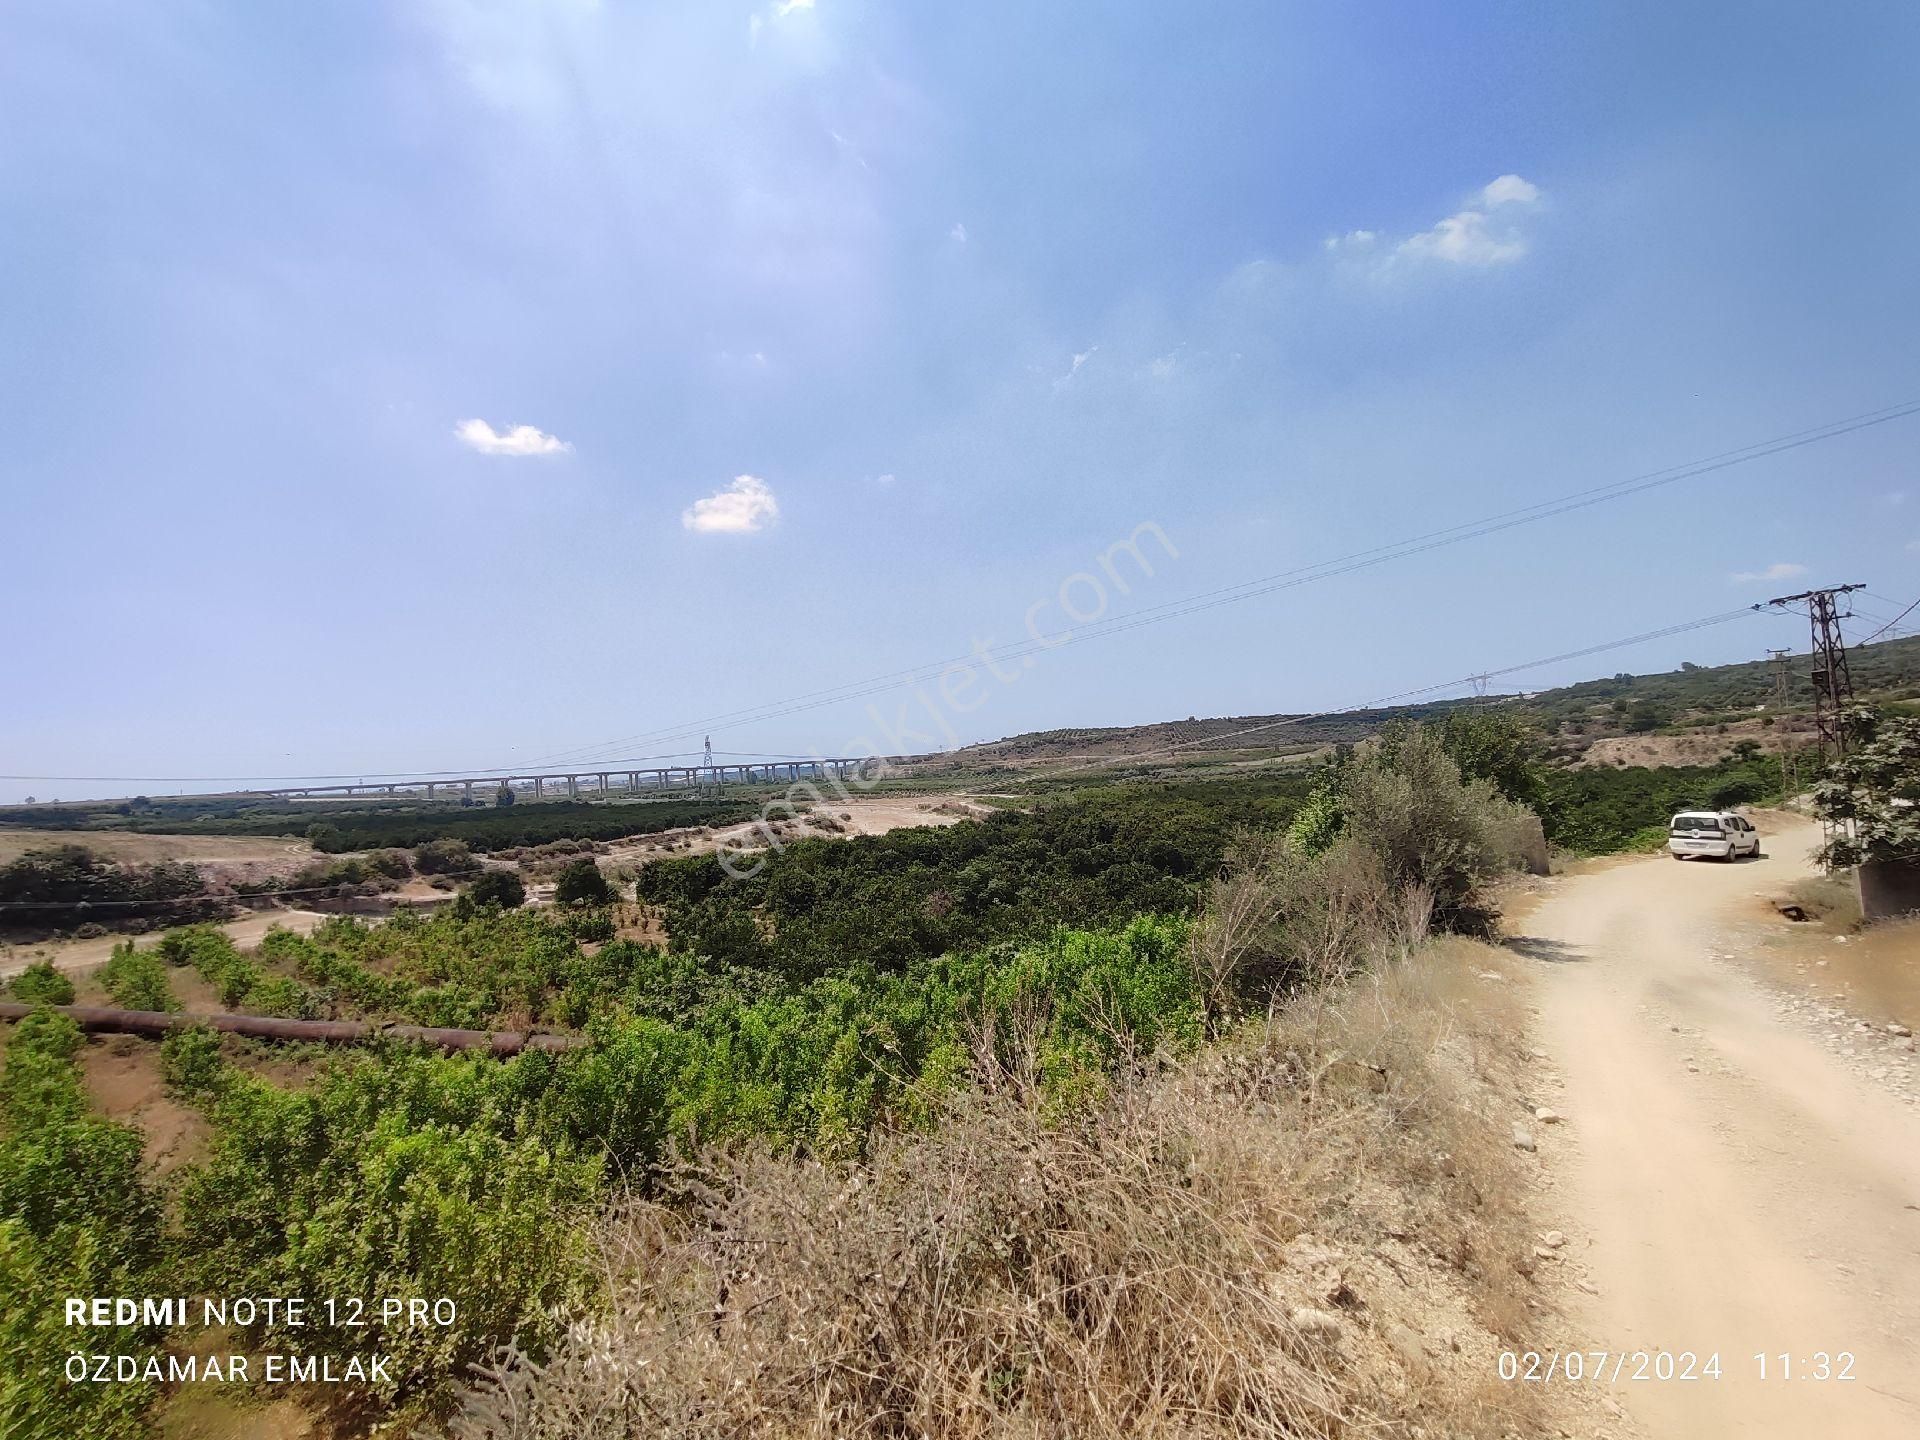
[
  {"x": 75, "y": 956},
  {"x": 122, "y": 1076},
  {"x": 131, "y": 848},
  {"x": 862, "y": 816},
  {"x": 1739, "y": 1173}
]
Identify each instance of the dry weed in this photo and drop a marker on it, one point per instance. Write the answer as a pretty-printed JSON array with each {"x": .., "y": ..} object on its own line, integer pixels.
[{"x": 1311, "y": 1230}]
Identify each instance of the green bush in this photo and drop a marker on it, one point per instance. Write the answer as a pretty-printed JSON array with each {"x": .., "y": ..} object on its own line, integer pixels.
[
  {"x": 1871, "y": 797},
  {"x": 191, "y": 1064},
  {"x": 498, "y": 887},
  {"x": 1597, "y": 810},
  {"x": 137, "y": 979},
  {"x": 394, "y": 1178},
  {"x": 75, "y": 1219},
  {"x": 443, "y": 857},
  {"x": 581, "y": 883},
  {"x": 41, "y": 984}
]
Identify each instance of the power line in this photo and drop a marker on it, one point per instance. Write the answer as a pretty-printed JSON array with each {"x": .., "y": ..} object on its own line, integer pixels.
[
  {"x": 1890, "y": 624},
  {"x": 1405, "y": 695},
  {"x": 1211, "y": 740},
  {"x": 1287, "y": 579},
  {"x": 1151, "y": 615}
]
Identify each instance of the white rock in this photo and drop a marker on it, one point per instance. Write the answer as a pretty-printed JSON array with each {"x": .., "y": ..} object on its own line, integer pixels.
[
  {"x": 1553, "y": 1239},
  {"x": 1546, "y": 1116},
  {"x": 1522, "y": 1137},
  {"x": 1894, "y": 1027},
  {"x": 1316, "y": 1323}
]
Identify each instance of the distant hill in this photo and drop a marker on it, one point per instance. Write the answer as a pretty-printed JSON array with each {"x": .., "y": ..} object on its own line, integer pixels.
[{"x": 1574, "y": 716}]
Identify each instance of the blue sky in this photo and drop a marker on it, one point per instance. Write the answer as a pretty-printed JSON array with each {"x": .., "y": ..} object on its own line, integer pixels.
[{"x": 970, "y": 293}]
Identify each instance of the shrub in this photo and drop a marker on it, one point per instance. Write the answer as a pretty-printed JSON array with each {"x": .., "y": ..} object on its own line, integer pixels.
[
  {"x": 443, "y": 857},
  {"x": 75, "y": 1219},
  {"x": 191, "y": 1064},
  {"x": 395, "y": 1178},
  {"x": 393, "y": 864},
  {"x": 581, "y": 883},
  {"x": 41, "y": 984},
  {"x": 211, "y": 952},
  {"x": 1872, "y": 795},
  {"x": 137, "y": 979},
  {"x": 498, "y": 887}
]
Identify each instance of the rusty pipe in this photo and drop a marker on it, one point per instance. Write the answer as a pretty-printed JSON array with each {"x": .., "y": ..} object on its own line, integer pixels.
[{"x": 102, "y": 1019}]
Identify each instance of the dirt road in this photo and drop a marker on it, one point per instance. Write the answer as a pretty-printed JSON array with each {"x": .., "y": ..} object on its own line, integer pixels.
[{"x": 1727, "y": 1185}]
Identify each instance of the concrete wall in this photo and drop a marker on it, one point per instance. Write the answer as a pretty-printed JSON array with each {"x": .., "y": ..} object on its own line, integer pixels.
[{"x": 1889, "y": 888}]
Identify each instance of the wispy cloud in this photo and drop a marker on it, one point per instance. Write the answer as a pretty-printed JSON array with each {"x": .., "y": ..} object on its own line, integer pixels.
[
  {"x": 785, "y": 8},
  {"x": 742, "y": 507},
  {"x": 515, "y": 440},
  {"x": 1079, "y": 360},
  {"x": 1785, "y": 570},
  {"x": 958, "y": 234},
  {"x": 1484, "y": 233},
  {"x": 886, "y": 479}
]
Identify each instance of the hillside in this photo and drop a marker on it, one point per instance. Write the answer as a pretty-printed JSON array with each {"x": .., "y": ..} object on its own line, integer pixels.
[{"x": 1672, "y": 703}]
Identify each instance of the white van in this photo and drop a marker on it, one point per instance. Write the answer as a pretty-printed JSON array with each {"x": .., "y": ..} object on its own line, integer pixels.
[{"x": 1720, "y": 834}]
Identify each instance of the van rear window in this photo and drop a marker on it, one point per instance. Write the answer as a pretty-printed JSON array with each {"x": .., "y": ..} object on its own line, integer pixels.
[{"x": 1697, "y": 822}]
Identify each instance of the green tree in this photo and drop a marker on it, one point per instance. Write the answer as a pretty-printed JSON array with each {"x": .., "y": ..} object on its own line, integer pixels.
[
  {"x": 581, "y": 883},
  {"x": 1873, "y": 795},
  {"x": 498, "y": 887},
  {"x": 503, "y": 796},
  {"x": 1496, "y": 746}
]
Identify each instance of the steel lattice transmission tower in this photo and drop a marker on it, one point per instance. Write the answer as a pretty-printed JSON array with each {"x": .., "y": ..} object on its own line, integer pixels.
[
  {"x": 1832, "y": 679},
  {"x": 706, "y": 759}
]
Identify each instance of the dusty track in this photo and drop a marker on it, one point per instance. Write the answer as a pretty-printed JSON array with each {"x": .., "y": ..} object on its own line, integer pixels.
[{"x": 1728, "y": 1185}]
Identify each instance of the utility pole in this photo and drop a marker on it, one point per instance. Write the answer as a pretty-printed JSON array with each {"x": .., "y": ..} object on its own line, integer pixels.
[
  {"x": 1832, "y": 680},
  {"x": 1782, "y": 698}
]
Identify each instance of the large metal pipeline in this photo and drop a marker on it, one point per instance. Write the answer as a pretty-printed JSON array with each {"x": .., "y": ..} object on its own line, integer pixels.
[{"x": 101, "y": 1019}]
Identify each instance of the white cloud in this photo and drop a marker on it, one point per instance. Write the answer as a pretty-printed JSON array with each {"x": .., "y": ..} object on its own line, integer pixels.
[
  {"x": 516, "y": 440},
  {"x": 1464, "y": 239},
  {"x": 1510, "y": 190},
  {"x": 786, "y": 7},
  {"x": 1474, "y": 236},
  {"x": 1079, "y": 359},
  {"x": 886, "y": 479},
  {"x": 1785, "y": 570},
  {"x": 958, "y": 234},
  {"x": 742, "y": 507}
]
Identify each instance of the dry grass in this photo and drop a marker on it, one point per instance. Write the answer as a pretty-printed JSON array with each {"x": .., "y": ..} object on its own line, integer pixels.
[
  {"x": 1310, "y": 1230},
  {"x": 1832, "y": 898}
]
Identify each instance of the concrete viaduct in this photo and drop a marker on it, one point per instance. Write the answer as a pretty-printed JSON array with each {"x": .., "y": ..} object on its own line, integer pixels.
[{"x": 597, "y": 782}]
